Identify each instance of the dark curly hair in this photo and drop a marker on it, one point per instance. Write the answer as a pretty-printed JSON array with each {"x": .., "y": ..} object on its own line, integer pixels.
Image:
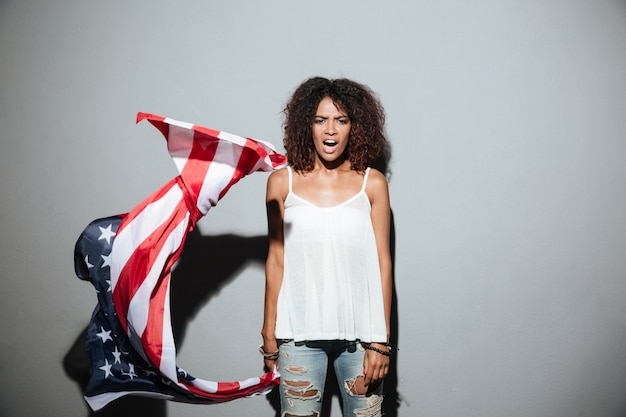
[{"x": 367, "y": 118}]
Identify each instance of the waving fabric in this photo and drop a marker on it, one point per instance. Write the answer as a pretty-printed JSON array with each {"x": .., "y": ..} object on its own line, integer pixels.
[{"x": 128, "y": 258}]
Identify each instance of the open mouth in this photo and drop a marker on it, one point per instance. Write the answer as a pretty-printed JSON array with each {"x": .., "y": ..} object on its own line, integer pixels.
[{"x": 330, "y": 143}]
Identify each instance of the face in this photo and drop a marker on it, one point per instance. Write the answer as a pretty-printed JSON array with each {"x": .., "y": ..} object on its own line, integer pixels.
[{"x": 331, "y": 130}]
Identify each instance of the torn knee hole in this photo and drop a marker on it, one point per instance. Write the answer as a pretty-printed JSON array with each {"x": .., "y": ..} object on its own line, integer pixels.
[
  {"x": 372, "y": 409},
  {"x": 295, "y": 369},
  {"x": 300, "y": 389},
  {"x": 356, "y": 386}
]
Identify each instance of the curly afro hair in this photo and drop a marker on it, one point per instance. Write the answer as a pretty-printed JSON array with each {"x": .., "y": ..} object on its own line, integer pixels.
[{"x": 367, "y": 117}]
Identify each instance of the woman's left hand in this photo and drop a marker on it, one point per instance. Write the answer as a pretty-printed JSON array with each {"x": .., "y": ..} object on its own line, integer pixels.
[{"x": 375, "y": 365}]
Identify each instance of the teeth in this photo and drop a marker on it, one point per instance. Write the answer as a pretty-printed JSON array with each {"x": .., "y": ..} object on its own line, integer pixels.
[{"x": 330, "y": 142}]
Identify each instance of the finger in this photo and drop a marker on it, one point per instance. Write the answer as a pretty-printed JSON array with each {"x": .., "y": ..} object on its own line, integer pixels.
[
  {"x": 367, "y": 371},
  {"x": 367, "y": 380},
  {"x": 366, "y": 374},
  {"x": 271, "y": 365}
]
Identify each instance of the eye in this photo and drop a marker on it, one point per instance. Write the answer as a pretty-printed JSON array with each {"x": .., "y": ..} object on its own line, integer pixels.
[
  {"x": 343, "y": 121},
  {"x": 319, "y": 120}
]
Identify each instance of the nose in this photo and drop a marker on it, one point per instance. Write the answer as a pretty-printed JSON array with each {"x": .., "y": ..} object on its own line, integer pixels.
[{"x": 331, "y": 127}]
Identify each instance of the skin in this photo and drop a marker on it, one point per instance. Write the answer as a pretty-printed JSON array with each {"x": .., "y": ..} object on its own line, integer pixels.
[{"x": 331, "y": 182}]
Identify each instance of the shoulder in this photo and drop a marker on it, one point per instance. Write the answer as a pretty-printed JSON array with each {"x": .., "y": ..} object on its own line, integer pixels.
[
  {"x": 278, "y": 183},
  {"x": 377, "y": 187},
  {"x": 278, "y": 175},
  {"x": 376, "y": 179}
]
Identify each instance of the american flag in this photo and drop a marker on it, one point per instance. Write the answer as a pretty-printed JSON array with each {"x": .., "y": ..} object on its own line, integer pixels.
[{"x": 128, "y": 258}]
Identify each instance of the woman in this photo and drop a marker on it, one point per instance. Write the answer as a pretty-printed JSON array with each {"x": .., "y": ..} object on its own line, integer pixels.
[{"x": 328, "y": 270}]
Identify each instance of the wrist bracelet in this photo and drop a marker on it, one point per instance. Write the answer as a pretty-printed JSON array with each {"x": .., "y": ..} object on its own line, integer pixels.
[
  {"x": 272, "y": 356},
  {"x": 375, "y": 349}
]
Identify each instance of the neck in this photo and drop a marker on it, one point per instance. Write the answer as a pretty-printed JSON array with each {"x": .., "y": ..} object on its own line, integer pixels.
[{"x": 322, "y": 165}]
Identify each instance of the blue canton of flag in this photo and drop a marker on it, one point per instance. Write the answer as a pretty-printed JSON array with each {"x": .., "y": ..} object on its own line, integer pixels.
[{"x": 116, "y": 368}]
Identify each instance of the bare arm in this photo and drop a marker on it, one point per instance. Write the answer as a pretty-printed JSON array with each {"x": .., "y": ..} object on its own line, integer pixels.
[
  {"x": 275, "y": 198},
  {"x": 375, "y": 364}
]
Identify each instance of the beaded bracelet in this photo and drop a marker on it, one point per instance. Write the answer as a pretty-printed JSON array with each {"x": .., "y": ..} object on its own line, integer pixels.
[
  {"x": 272, "y": 356},
  {"x": 375, "y": 349}
]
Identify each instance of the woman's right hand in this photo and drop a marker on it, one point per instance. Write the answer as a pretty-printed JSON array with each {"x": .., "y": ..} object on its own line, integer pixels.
[
  {"x": 270, "y": 346},
  {"x": 271, "y": 364}
]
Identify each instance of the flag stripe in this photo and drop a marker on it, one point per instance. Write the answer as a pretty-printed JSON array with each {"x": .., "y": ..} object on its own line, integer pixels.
[
  {"x": 179, "y": 144},
  {"x": 246, "y": 162},
  {"x": 222, "y": 173},
  {"x": 196, "y": 172},
  {"x": 145, "y": 306},
  {"x": 151, "y": 241},
  {"x": 145, "y": 219}
]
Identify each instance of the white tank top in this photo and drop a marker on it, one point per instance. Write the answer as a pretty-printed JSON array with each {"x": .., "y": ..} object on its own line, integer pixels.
[{"x": 331, "y": 286}]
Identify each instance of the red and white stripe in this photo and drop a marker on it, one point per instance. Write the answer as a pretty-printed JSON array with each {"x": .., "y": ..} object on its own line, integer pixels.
[{"x": 152, "y": 235}]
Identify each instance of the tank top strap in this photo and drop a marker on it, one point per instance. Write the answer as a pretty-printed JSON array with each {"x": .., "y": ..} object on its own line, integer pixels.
[
  {"x": 367, "y": 171},
  {"x": 290, "y": 178}
]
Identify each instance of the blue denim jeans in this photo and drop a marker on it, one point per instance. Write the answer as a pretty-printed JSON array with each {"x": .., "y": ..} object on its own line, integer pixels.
[{"x": 303, "y": 367}]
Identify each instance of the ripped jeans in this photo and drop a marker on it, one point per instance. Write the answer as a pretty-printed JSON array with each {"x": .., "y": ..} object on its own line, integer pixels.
[{"x": 303, "y": 367}]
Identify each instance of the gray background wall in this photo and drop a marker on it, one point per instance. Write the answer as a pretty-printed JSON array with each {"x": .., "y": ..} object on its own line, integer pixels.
[{"x": 507, "y": 120}]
